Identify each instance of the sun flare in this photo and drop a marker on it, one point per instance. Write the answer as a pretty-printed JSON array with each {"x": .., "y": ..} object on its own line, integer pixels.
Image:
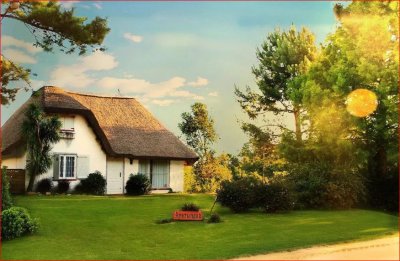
[{"x": 361, "y": 102}]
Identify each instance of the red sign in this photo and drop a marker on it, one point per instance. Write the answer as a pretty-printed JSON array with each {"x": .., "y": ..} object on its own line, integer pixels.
[{"x": 188, "y": 215}]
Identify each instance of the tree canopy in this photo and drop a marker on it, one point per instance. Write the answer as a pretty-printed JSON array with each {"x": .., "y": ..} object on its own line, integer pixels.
[
  {"x": 354, "y": 155},
  {"x": 283, "y": 58},
  {"x": 51, "y": 27},
  {"x": 198, "y": 128}
]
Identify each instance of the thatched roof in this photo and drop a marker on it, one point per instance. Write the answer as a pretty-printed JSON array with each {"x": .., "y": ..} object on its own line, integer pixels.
[{"x": 123, "y": 126}]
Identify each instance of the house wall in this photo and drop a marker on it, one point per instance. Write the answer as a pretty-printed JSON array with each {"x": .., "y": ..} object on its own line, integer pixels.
[
  {"x": 130, "y": 169},
  {"x": 84, "y": 143},
  {"x": 14, "y": 162},
  {"x": 176, "y": 175}
]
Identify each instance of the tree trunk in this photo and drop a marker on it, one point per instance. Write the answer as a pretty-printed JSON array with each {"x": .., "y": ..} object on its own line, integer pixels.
[
  {"x": 297, "y": 121},
  {"x": 381, "y": 141},
  {"x": 31, "y": 182},
  {"x": 381, "y": 157}
]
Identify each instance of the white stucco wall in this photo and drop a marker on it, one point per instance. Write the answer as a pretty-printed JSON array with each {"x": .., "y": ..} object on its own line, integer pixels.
[
  {"x": 130, "y": 169},
  {"x": 15, "y": 162},
  {"x": 84, "y": 143},
  {"x": 176, "y": 175}
]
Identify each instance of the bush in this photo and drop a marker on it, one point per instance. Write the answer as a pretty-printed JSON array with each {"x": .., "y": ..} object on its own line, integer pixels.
[
  {"x": 274, "y": 197},
  {"x": 63, "y": 186},
  {"x": 214, "y": 218},
  {"x": 78, "y": 189},
  {"x": 309, "y": 181},
  {"x": 94, "y": 184},
  {"x": 6, "y": 202},
  {"x": 164, "y": 221},
  {"x": 322, "y": 186},
  {"x": 138, "y": 185},
  {"x": 189, "y": 180},
  {"x": 344, "y": 190},
  {"x": 383, "y": 192},
  {"x": 16, "y": 222},
  {"x": 190, "y": 207},
  {"x": 44, "y": 185},
  {"x": 239, "y": 195}
]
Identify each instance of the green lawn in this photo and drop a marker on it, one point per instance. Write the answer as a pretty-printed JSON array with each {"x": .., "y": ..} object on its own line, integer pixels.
[{"x": 86, "y": 227}]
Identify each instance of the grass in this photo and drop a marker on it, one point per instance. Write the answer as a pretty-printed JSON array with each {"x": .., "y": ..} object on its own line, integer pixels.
[{"x": 89, "y": 227}]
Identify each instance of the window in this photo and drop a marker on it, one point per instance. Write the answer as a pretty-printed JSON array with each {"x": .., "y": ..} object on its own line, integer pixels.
[
  {"x": 67, "y": 127},
  {"x": 157, "y": 171},
  {"x": 144, "y": 167},
  {"x": 67, "y": 123},
  {"x": 67, "y": 166},
  {"x": 160, "y": 174}
]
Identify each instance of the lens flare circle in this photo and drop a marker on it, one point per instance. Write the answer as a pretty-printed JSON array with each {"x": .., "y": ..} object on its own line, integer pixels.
[{"x": 361, "y": 102}]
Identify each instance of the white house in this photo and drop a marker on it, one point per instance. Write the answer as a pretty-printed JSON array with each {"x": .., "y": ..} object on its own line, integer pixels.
[{"x": 114, "y": 135}]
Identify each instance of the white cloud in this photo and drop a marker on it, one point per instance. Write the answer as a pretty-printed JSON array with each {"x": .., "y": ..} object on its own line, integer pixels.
[
  {"x": 198, "y": 97},
  {"x": 68, "y": 4},
  {"x": 98, "y": 6},
  {"x": 37, "y": 84},
  {"x": 142, "y": 87},
  {"x": 213, "y": 94},
  {"x": 18, "y": 56},
  {"x": 75, "y": 75},
  {"x": 199, "y": 82},
  {"x": 160, "y": 93},
  {"x": 7, "y": 40},
  {"x": 134, "y": 38},
  {"x": 162, "y": 102}
]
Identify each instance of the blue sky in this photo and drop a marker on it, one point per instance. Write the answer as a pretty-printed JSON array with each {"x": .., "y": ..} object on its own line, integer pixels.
[{"x": 169, "y": 55}]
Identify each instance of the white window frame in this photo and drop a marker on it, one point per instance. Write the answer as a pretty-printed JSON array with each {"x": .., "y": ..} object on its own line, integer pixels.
[
  {"x": 64, "y": 167},
  {"x": 63, "y": 120}
]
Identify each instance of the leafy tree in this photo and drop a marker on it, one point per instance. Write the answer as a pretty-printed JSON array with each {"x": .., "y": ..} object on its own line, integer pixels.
[
  {"x": 353, "y": 58},
  {"x": 6, "y": 200},
  {"x": 51, "y": 26},
  {"x": 198, "y": 128},
  {"x": 259, "y": 156},
  {"x": 337, "y": 144},
  {"x": 11, "y": 72},
  {"x": 40, "y": 133},
  {"x": 283, "y": 58},
  {"x": 207, "y": 175},
  {"x": 209, "y": 171}
]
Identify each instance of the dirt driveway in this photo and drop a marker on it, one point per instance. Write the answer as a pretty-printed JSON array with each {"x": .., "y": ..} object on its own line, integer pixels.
[{"x": 386, "y": 248}]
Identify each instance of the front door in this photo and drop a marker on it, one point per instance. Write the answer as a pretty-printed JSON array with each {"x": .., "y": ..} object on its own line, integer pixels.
[{"x": 115, "y": 173}]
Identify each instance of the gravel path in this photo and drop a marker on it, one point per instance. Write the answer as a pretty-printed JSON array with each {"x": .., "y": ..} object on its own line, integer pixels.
[{"x": 386, "y": 248}]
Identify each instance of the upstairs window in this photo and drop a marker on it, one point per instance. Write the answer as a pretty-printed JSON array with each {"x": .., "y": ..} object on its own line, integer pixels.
[
  {"x": 67, "y": 124},
  {"x": 67, "y": 127}
]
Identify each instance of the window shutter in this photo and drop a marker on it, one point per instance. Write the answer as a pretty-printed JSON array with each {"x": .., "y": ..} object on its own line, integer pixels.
[
  {"x": 56, "y": 166},
  {"x": 82, "y": 167}
]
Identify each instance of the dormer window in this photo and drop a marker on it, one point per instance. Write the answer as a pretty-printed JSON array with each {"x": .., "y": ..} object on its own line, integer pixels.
[
  {"x": 67, "y": 123},
  {"x": 67, "y": 127}
]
